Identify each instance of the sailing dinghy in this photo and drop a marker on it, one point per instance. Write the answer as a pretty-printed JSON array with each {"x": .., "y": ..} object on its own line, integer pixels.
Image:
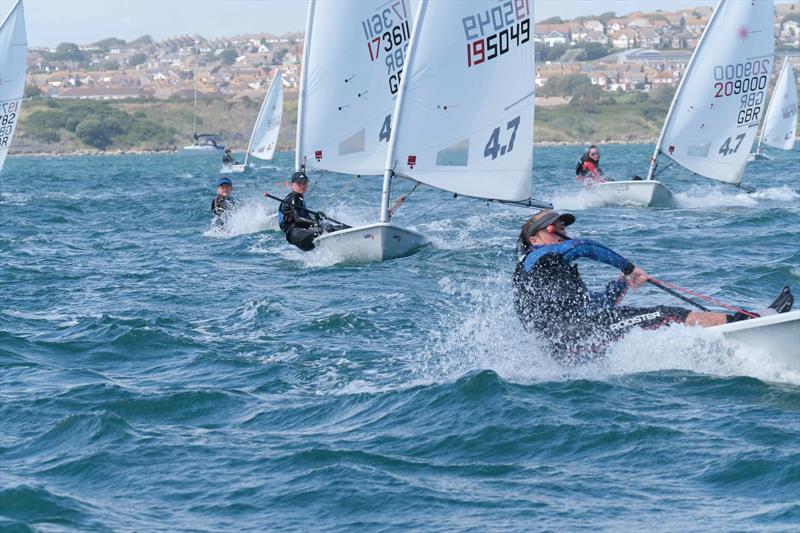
[
  {"x": 13, "y": 64},
  {"x": 780, "y": 125},
  {"x": 712, "y": 122},
  {"x": 355, "y": 54},
  {"x": 462, "y": 120},
  {"x": 265, "y": 131}
]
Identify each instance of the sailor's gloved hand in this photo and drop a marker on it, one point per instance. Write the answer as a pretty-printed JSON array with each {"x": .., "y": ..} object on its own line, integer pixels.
[{"x": 637, "y": 278}]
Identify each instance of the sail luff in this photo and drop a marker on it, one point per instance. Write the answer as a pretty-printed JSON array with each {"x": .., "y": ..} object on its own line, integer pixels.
[
  {"x": 301, "y": 126},
  {"x": 398, "y": 103}
]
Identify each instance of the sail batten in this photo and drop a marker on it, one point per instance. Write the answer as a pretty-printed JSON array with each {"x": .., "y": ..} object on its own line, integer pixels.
[
  {"x": 13, "y": 65},
  {"x": 720, "y": 102}
]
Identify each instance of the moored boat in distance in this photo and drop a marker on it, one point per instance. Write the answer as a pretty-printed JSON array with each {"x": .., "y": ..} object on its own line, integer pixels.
[{"x": 203, "y": 143}]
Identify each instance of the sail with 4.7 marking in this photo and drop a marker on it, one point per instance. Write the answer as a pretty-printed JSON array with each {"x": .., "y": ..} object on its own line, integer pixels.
[
  {"x": 780, "y": 125},
  {"x": 464, "y": 118},
  {"x": 353, "y": 61},
  {"x": 13, "y": 64},
  {"x": 721, "y": 99}
]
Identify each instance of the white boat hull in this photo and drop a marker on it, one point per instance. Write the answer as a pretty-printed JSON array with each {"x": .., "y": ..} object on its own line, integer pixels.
[
  {"x": 644, "y": 193},
  {"x": 197, "y": 149},
  {"x": 374, "y": 242},
  {"x": 777, "y": 336},
  {"x": 232, "y": 169},
  {"x": 272, "y": 222},
  {"x": 758, "y": 157}
]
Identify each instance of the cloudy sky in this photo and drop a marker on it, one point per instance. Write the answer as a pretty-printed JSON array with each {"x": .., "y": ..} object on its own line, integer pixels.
[{"x": 50, "y": 22}]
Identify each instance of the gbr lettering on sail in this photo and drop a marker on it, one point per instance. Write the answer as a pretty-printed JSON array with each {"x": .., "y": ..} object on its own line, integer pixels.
[{"x": 387, "y": 34}]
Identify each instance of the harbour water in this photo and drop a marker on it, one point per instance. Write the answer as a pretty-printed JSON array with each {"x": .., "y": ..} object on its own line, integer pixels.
[{"x": 158, "y": 373}]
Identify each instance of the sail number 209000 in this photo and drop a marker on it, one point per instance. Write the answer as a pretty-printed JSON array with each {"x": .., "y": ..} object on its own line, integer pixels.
[{"x": 748, "y": 80}]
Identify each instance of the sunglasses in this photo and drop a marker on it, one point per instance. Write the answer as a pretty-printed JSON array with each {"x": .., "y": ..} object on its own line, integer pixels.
[{"x": 594, "y": 153}]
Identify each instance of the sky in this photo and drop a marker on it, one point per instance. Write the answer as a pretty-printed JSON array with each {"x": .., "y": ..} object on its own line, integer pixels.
[{"x": 51, "y": 22}]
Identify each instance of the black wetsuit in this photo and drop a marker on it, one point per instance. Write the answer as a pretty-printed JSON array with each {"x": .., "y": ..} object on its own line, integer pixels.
[
  {"x": 221, "y": 207},
  {"x": 297, "y": 223},
  {"x": 228, "y": 159},
  {"x": 552, "y": 300}
]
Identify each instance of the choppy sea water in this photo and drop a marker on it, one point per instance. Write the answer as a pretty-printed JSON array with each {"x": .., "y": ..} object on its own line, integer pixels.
[{"x": 159, "y": 373}]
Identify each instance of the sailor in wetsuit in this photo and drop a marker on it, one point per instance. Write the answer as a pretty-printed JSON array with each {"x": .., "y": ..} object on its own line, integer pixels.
[
  {"x": 300, "y": 227},
  {"x": 223, "y": 202},
  {"x": 588, "y": 171},
  {"x": 552, "y": 300},
  {"x": 227, "y": 158}
]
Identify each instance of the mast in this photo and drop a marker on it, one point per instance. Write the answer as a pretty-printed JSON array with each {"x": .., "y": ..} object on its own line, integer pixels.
[
  {"x": 194, "y": 79},
  {"x": 654, "y": 160},
  {"x": 390, "y": 162},
  {"x": 298, "y": 157}
]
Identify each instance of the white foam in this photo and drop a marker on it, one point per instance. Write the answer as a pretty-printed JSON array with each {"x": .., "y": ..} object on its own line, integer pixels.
[
  {"x": 486, "y": 334},
  {"x": 705, "y": 197},
  {"x": 247, "y": 216}
]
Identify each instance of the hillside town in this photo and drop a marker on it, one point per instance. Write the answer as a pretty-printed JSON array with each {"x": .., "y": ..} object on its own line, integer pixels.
[{"x": 637, "y": 52}]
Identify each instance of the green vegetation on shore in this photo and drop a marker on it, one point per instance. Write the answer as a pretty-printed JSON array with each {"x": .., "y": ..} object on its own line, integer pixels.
[
  {"x": 95, "y": 124},
  {"x": 63, "y": 126},
  {"x": 67, "y": 126}
]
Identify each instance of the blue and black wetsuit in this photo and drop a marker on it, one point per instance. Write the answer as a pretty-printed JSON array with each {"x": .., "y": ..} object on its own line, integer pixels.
[{"x": 552, "y": 300}]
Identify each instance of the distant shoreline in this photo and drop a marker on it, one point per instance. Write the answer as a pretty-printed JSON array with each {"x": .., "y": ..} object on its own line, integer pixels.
[{"x": 79, "y": 153}]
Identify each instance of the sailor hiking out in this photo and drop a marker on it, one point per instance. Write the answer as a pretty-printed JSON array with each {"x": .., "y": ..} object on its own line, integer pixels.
[
  {"x": 552, "y": 300},
  {"x": 588, "y": 171},
  {"x": 298, "y": 223},
  {"x": 223, "y": 202}
]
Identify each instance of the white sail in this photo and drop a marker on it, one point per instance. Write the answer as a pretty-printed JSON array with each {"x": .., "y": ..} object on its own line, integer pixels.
[
  {"x": 268, "y": 124},
  {"x": 464, "y": 118},
  {"x": 353, "y": 60},
  {"x": 721, "y": 99},
  {"x": 780, "y": 124},
  {"x": 13, "y": 63}
]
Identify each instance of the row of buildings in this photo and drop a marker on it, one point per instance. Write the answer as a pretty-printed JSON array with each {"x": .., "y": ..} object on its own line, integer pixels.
[
  {"x": 648, "y": 49},
  {"x": 676, "y": 29},
  {"x": 233, "y": 67}
]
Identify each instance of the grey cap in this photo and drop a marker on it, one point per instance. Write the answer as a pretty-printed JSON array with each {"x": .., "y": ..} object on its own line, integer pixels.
[{"x": 542, "y": 219}]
